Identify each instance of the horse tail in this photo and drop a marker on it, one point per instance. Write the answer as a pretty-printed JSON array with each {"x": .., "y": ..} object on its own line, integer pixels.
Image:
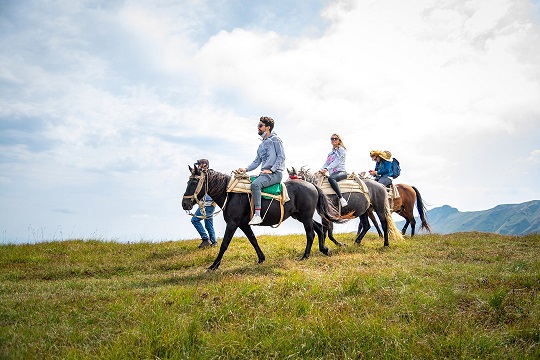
[
  {"x": 328, "y": 211},
  {"x": 393, "y": 231},
  {"x": 421, "y": 210}
]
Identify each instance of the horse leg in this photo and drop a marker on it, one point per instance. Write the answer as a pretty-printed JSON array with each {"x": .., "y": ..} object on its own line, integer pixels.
[
  {"x": 322, "y": 236},
  {"x": 384, "y": 225},
  {"x": 363, "y": 228},
  {"x": 374, "y": 221},
  {"x": 310, "y": 235},
  {"x": 253, "y": 240},
  {"x": 404, "y": 230},
  {"x": 330, "y": 227},
  {"x": 227, "y": 237},
  {"x": 413, "y": 225}
]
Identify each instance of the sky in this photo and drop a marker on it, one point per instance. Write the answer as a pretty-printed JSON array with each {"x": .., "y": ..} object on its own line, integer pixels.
[{"x": 105, "y": 103}]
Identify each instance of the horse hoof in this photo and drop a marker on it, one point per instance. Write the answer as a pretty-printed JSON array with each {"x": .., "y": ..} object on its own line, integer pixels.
[{"x": 260, "y": 261}]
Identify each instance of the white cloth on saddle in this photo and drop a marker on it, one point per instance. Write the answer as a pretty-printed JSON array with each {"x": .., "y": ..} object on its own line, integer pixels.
[
  {"x": 352, "y": 184},
  {"x": 242, "y": 184},
  {"x": 395, "y": 192}
]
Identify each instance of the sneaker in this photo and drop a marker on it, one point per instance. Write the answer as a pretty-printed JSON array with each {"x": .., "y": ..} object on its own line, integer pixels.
[
  {"x": 343, "y": 202},
  {"x": 256, "y": 220},
  {"x": 205, "y": 243},
  {"x": 214, "y": 243}
]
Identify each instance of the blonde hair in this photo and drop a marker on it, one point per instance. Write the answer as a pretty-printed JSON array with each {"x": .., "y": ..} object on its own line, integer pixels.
[{"x": 340, "y": 141}]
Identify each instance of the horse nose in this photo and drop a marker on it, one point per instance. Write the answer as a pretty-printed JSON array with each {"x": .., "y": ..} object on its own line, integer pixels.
[{"x": 187, "y": 204}]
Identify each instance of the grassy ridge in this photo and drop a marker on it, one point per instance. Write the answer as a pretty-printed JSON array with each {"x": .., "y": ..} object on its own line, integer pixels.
[{"x": 467, "y": 295}]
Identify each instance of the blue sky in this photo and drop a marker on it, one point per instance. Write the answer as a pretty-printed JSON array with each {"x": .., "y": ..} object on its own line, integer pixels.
[{"x": 104, "y": 103}]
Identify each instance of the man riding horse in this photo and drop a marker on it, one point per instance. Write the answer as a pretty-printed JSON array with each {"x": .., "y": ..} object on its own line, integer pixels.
[{"x": 271, "y": 157}]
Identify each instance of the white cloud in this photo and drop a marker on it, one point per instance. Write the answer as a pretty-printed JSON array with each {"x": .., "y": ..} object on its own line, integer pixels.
[{"x": 534, "y": 156}]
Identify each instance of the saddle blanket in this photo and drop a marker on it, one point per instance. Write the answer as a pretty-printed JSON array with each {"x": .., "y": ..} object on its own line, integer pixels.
[
  {"x": 243, "y": 185},
  {"x": 393, "y": 192},
  {"x": 352, "y": 184}
]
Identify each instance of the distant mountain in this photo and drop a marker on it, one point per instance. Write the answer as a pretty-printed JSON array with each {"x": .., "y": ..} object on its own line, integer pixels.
[{"x": 510, "y": 219}]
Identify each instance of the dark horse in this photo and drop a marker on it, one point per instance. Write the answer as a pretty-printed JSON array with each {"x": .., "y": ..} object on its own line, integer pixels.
[
  {"x": 304, "y": 197},
  {"x": 358, "y": 206},
  {"x": 404, "y": 206}
]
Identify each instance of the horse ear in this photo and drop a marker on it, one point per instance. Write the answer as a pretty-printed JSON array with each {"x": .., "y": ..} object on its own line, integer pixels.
[{"x": 190, "y": 169}]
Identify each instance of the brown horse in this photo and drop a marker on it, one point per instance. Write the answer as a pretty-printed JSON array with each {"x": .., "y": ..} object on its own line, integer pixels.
[{"x": 404, "y": 206}]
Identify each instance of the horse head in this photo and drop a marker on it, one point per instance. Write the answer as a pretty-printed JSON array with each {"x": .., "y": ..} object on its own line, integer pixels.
[
  {"x": 193, "y": 191},
  {"x": 293, "y": 174}
]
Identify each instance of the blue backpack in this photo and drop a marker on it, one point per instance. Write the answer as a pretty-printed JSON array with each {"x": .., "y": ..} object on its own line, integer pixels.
[{"x": 396, "y": 169}]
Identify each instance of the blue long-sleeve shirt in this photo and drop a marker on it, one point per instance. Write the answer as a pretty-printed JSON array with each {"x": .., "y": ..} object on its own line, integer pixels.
[
  {"x": 335, "y": 161},
  {"x": 384, "y": 168},
  {"x": 270, "y": 155}
]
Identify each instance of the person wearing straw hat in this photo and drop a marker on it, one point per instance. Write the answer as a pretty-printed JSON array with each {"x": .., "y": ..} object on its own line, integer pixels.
[
  {"x": 383, "y": 166},
  {"x": 209, "y": 207}
]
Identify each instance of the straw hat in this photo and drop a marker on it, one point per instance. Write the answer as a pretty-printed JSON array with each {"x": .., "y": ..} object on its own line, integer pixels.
[
  {"x": 386, "y": 155},
  {"x": 373, "y": 153}
]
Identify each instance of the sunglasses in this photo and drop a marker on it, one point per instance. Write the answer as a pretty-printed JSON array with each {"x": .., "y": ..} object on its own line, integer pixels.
[
  {"x": 333, "y": 138},
  {"x": 261, "y": 126}
]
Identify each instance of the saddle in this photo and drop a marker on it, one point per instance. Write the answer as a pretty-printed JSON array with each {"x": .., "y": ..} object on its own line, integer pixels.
[
  {"x": 241, "y": 183},
  {"x": 353, "y": 183}
]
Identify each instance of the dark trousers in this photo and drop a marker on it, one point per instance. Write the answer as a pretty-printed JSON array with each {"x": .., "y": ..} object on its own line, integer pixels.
[{"x": 333, "y": 180}]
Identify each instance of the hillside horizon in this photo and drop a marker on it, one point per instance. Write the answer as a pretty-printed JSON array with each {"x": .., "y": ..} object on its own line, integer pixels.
[{"x": 505, "y": 219}]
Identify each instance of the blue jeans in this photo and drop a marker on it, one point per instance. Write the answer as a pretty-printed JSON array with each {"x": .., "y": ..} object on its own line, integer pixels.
[
  {"x": 385, "y": 180},
  {"x": 262, "y": 181},
  {"x": 208, "y": 224}
]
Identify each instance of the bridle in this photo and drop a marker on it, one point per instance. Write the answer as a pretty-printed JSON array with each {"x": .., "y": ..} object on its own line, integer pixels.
[{"x": 202, "y": 181}]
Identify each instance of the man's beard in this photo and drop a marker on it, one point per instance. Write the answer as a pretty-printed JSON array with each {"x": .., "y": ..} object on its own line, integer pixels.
[{"x": 261, "y": 132}]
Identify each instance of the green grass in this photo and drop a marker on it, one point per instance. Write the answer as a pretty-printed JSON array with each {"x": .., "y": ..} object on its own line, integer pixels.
[{"x": 459, "y": 296}]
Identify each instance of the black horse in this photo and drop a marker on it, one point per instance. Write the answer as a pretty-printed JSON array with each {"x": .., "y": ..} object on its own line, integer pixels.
[
  {"x": 359, "y": 206},
  {"x": 304, "y": 197}
]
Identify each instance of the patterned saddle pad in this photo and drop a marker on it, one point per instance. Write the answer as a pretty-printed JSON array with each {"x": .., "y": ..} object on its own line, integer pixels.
[
  {"x": 353, "y": 183},
  {"x": 242, "y": 184}
]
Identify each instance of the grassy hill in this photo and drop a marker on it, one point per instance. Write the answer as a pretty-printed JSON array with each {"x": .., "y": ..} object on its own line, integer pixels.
[{"x": 459, "y": 296}]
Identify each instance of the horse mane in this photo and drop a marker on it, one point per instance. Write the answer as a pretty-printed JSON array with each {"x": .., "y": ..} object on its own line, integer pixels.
[
  {"x": 306, "y": 174},
  {"x": 217, "y": 182}
]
